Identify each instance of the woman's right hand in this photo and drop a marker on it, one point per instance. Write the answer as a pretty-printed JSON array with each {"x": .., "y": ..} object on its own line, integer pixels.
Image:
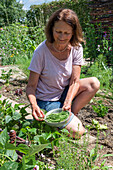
[{"x": 37, "y": 113}]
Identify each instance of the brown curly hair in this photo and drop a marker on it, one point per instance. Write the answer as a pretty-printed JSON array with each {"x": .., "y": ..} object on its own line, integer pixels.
[{"x": 70, "y": 17}]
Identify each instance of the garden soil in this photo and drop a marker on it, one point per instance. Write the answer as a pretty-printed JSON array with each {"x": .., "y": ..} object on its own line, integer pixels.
[{"x": 17, "y": 91}]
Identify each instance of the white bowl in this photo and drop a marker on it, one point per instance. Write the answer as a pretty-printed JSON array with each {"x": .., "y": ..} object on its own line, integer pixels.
[{"x": 55, "y": 124}]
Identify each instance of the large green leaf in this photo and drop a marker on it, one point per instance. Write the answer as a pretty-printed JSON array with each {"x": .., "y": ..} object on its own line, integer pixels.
[
  {"x": 23, "y": 148},
  {"x": 4, "y": 137},
  {"x": 8, "y": 119},
  {"x": 11, "y": 146},
  {"x": 12, "y": 154},
  {"x": 37, "y": 148},
  {"x": 9, "y": 166},
  {"x": 16, "y": 115}
]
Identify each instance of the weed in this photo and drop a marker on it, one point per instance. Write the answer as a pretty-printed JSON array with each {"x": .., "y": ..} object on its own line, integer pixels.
[
  {"x": 96, "y": 125},
  {"x": 100, "y": 109},
  {"x": 71, "y": 155},
  {"x": 6, "y": 76}
]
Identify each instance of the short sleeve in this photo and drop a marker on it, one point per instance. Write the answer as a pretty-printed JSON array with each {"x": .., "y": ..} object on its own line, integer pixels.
[
  {"x": 78, "y": 55},
  {"x": 36, "y": 64}
]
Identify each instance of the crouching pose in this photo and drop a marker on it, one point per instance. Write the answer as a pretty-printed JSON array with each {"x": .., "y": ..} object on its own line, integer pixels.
[{"x": 54, "y": 80}]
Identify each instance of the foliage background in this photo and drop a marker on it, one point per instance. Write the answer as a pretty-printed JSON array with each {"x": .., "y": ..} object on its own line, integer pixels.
[{"x": 11, "y": 12}]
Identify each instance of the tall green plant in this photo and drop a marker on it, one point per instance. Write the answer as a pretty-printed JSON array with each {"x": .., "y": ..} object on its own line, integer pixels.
[
  {"x": 10, "y": 12},
  {"x": 15, "y": 44},
  {"x": 98, "y": 41},
  {"x": 38, "y": 14}
]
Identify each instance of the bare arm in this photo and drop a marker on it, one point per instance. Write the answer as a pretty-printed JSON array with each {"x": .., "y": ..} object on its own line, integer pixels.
[
  {"x": 30, "y": 92},
  {"x": 73, "y": 87}
]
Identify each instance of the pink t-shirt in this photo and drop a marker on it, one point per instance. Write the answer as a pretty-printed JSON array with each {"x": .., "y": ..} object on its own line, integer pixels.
[{"x": 54, "y": 73}]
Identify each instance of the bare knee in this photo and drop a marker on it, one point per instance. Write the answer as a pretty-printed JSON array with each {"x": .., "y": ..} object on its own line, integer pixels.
[
  {"x": 79, "y": 133},
  {"x": 95, "y": 84},
  {"x": 75, "y": 128},
  {"x": 76, "y": 133}
]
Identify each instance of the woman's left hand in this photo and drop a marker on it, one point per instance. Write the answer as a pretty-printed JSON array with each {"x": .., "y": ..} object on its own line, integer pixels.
[{"x": 67, "y": 105}]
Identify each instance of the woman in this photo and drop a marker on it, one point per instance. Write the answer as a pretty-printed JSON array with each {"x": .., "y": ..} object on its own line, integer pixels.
[{"x": 54, "y": 80}]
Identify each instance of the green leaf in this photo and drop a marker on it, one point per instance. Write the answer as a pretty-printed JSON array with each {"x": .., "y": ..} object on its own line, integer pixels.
[
  {"x": 49, "y": 135},
  {"x": 96, "y": 167},
  {"x": 26, "y": 123},
  {"x": 102, "y": 164},
  {"x": 22, "y": 110},
  {"x": 1, "y": 146},
  {"x": 106, "y": 155},
  {"x": 9, "y": 166},
  {"x": 103, "y": 127},
  {"x": 4, "y": 137},
  {"x": 33, "y": 130},
  {"x": 58, "y": 133},
  {"x": 23, "y": 130},
  {"x": 12, "y": 109},
  {"x": 16, "y": 106},
  {"x": 8, "y": 119},
  {"x": 23, "y": 148},
  {"x": 92, "y": 153},
  {"x": 31, "y": 160},
  {"x": 12, "y": 154},
  {"x": 23, "y": 163},
  {"x": 11, "y": 146},
  {"x": 37, "y": 148},
  {"x": 37, "y": 139},
  {"x": 16, "y": 116},
  {"x": 4, "y": 101},
  {"x": 3, "y": 168},
  {"x": 95, "y": 122}
]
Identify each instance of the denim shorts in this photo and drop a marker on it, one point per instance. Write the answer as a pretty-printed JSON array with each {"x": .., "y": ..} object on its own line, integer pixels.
[{"x": 50, "y": 105}]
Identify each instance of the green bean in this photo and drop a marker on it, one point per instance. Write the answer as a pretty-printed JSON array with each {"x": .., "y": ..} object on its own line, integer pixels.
[{"x": 57, "y": 117}]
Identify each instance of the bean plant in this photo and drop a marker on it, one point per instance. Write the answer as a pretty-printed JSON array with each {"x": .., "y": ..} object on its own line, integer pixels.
[{"x": 100, "y": 109}]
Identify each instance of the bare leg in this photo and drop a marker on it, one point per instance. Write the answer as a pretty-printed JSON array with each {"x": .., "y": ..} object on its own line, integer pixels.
[
  {"x": 75, "y": 128},
  {"x": 88, "y": 88}
]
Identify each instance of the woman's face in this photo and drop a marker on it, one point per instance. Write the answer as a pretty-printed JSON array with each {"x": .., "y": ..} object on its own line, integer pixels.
[{"x": 62, "y": 33}]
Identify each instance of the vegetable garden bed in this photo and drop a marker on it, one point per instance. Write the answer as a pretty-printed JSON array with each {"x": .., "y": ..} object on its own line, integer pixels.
[{"x": 87, "y": 115}]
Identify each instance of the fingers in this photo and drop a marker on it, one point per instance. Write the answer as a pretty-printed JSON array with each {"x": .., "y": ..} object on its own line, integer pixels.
[
  {"x": 66, "y": 107},
  {"x": 41, "y": 118},
  {"x": 38, "y": 114},
  {"x": 42, "y": 113}
]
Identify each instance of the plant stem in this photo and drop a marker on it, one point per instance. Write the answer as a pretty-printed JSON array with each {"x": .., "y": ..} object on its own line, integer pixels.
[{"x": 7, "y": 157}]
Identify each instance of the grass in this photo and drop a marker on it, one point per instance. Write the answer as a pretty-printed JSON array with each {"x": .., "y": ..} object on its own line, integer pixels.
[{"x": 23, "y": 65}]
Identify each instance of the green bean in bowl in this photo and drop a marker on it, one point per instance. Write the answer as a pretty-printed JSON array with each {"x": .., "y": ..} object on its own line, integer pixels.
[{"x": 56, "y": 117}]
